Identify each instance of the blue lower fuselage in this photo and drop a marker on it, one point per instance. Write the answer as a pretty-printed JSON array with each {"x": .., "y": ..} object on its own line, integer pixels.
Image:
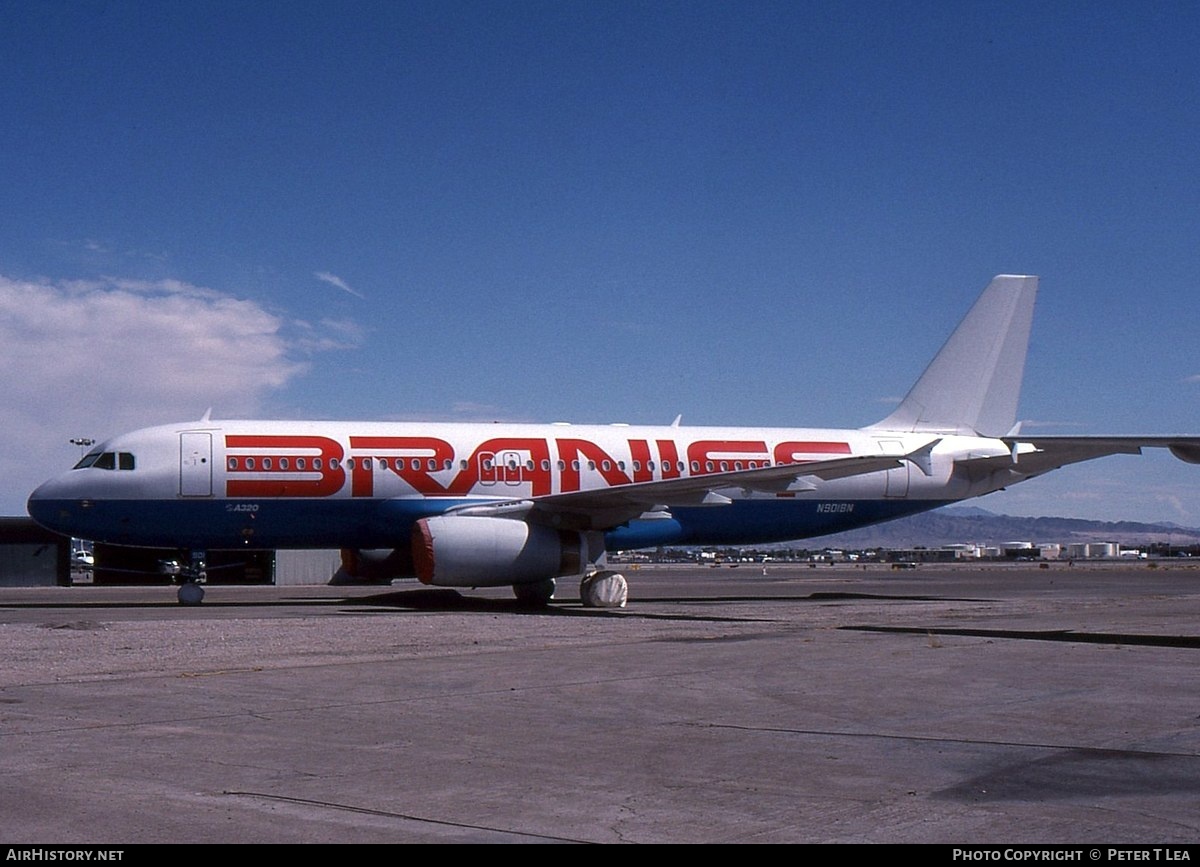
[{"x": 309, "y": 523}]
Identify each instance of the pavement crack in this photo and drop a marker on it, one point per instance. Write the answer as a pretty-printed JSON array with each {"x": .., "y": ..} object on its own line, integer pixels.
[{"x": 392, "y": 814}]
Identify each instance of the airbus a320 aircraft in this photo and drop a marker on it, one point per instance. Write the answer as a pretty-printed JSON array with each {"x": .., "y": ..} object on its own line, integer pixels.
[{"x": 477, "y": 505}]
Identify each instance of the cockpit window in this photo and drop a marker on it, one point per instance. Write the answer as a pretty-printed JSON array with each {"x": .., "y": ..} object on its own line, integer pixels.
[{"x": 107, "y": 461}]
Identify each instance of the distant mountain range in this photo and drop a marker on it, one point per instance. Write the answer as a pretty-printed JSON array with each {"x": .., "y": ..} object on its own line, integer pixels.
[{"x": 956, "y": 524}]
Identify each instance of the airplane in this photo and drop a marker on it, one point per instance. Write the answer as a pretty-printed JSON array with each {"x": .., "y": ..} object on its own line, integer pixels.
[{"x": 524, "y": 505}]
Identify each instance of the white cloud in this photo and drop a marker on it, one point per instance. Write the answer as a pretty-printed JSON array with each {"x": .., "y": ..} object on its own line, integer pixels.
[
  {"x": 1032, "y": 424},
  {"x": 93, "y": 358},
  {"x": 1151, "y": 487},
  {"x": 327, "y": 334},
  {"x": 1176, "y": 503},
  {"x": 335, "y": 280},
  {"x": 463, "y": 411}
]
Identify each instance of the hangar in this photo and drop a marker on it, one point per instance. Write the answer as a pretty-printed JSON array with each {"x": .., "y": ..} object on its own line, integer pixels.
[{"x": 32, "y": 556}]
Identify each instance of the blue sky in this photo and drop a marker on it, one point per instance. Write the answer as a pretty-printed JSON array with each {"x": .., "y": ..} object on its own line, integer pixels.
[{"x": 747, "y": 213}]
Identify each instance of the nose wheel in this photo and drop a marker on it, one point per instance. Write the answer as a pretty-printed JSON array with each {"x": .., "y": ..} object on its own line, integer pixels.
[
  {"x": 190, "y": 593},
  {"x": 191, "y": 574}
]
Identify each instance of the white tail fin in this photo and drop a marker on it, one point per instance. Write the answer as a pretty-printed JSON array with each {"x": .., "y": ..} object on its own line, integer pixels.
[{"x": 973, "y": 383}]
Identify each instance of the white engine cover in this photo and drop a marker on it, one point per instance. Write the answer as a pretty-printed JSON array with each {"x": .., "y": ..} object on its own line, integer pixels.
[{"x": 476, "y": 551}]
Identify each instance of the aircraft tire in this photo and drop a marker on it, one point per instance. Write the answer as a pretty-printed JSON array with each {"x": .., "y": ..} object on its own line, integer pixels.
[
  {"x": 190, "y": 593},
  {"x": 604, "y": 590},
  {"x": 535, "y": 592}
]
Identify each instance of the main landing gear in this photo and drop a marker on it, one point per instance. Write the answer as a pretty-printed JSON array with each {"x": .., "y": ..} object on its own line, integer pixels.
[
  {"x": 602, "y": 589},
  {"x": 535, "y": 592}
]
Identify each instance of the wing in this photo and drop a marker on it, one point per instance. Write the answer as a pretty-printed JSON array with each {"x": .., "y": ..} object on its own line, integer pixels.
[{"x": 604, "y": 508}]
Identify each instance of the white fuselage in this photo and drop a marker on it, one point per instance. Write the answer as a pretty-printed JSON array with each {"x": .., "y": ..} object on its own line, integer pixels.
[{"x": 319, "y": 484}]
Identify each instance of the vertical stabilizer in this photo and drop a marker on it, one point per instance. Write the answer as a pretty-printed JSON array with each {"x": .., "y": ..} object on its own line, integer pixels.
[{"x": 973, "y": 383}]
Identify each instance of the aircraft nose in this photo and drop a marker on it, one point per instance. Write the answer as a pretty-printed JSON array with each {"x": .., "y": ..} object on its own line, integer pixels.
[{"x": 51, "y": 504}]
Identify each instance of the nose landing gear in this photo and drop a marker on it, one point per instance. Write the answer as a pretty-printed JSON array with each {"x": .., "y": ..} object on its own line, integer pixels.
[{"x": 190, "y": 573}]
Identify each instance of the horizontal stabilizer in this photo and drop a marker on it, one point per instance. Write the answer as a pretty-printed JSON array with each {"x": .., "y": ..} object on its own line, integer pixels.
[{"x": 1051, "y": 452}]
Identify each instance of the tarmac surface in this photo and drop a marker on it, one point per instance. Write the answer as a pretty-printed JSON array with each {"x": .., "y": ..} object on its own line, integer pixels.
[{"x": 836, "y": 704}]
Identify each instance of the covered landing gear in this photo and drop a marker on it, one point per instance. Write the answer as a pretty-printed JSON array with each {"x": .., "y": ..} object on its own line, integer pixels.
[
  {"x": 599, "y": 590},
  {"x": 190, "y": 573},
  {"x": 190, "y": 593},
  {"x": 604, "y": 589}
]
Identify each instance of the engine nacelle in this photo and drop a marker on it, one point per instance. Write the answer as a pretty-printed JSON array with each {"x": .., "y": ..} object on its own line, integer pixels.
[{"x": 478, "y": 551}]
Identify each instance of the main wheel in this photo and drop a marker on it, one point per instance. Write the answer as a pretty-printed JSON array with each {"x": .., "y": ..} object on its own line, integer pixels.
[
  {"x": 604, "y": 590},
  {"x": 535, "y": 592}
]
